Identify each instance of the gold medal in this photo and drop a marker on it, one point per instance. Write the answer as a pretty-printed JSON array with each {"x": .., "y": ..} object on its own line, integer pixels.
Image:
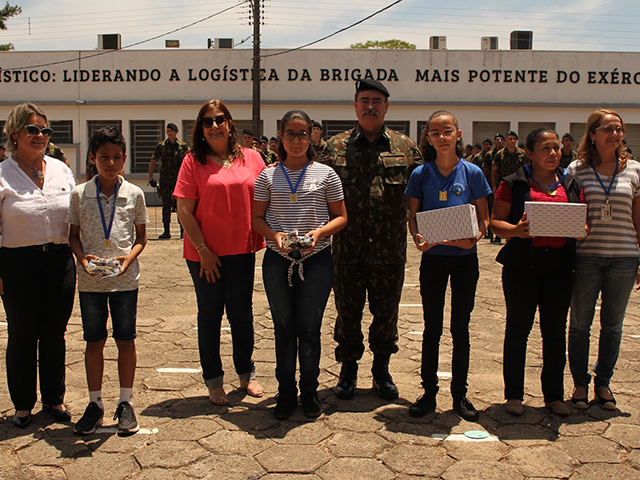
[
  {"x": 293, "y": 197},
  {"x": 107, "y": 243},
  {"x": 442, "y": 196},
  {"x": 552, "y": 193}
]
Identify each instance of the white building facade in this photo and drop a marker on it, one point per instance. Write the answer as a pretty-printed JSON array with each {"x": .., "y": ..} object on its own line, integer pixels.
[{"x": 489, "y": 91}]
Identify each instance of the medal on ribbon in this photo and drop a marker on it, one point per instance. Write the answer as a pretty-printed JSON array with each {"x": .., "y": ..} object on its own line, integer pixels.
[
  {"x": 293, "y": 197},
  {"x": 105, "y": 229}
]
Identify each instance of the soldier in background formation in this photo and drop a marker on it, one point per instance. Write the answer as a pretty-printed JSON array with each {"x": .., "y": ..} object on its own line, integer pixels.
[
  {"x": 170, "y": 152},
  {"x": 317, "y": 138},
  {"x": 269, "y": 156},
  {"x": 374, "y": 164},
  {"x": 568, "y": 153}
]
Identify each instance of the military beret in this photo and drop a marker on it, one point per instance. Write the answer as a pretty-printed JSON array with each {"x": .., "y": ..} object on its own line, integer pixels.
[
  {"x": 172, "y": 126},
  {"x": 468, "y": 145},
  {"x": 264, "y": 139},
  {"x": 315, "y": 124},
  {"x": 570, "y": 137},
  {"x": 273, "y": 139},
  {"x": 477, "y": 145},
  {"x": 487, "y": 140},
  {"x": 498, "y": 135},
  {"x": 511, "y": 132},
  {"x": 246, "y": 131},
  {"x": 364, "y": 85}
]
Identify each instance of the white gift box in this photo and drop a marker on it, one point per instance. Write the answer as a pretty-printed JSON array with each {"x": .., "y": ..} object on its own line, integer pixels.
[
  {"x": 450, "y": 223},
  {"x": 547, "y": 219}
]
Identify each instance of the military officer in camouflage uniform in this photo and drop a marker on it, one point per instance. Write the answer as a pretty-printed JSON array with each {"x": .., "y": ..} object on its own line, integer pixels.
[
  {"x": 508, "y": 160},
  {"x": 317, "y": 138},
  {"x": 170, "y": 152},
  {"x": 56, "y": 152},
  {"x": 374, "y": 164},
  {"x": 568, "y": 153}
]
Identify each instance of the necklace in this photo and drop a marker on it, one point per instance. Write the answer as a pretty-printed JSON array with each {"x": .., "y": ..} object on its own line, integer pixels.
[
  {"x": 36, "y": 173},
  {"x": 226, "y": 160}
]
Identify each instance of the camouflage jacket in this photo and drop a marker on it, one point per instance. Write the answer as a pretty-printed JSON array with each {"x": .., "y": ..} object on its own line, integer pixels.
[
  {"x": 374, "y": 177},
  {"x": 565, "y": 160},
  {"x": 55, "y": 151},
  {"x": 322, "y": 150},
  {"x": 170, "y": 156},
  {"x": 508, "y": 162}
]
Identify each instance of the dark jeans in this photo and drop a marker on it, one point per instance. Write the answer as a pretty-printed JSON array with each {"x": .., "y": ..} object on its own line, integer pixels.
[
  {"x": 297, "y": 316},
  {"x": 38, "y": 298},
  {"x": 435, "y": 271},
  {"x": 383, "y": 286},
  {"x": 233, "y": 291},
  {"x": 547, "y": 287}
]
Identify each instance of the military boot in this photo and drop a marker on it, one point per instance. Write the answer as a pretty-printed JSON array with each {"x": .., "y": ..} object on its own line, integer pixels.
[
  {"x": 346, "y": 387},
  {"x": 382, "y": 381}
]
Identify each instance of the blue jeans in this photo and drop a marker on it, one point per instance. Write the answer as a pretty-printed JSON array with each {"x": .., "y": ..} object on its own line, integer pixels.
[
  {"x": 233, "y": 291},
  {"x": 94, "y": 311},
  {"x": 297, "y": 316},
  {"x": 614, "y": 277}
]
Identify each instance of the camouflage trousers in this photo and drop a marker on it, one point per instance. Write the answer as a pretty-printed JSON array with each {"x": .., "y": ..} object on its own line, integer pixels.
[
  {"x": 382, "y": 284},
  {"x": 168, "y": 200}
]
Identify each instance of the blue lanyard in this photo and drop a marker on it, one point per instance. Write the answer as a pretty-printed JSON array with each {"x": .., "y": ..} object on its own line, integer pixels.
[
  {"x": 436, "y": 174},
  {"x": 107, "y": 231},
  {"x": 551, "y": 188},
  {"x": 294, "y": 189},
  {"x": 607, "y": 191}
]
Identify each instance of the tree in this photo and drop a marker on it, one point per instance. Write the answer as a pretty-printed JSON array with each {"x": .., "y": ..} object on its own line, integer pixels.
[
  {"x": 5, "y": 13},
  {"x": 393, "y": 44}
]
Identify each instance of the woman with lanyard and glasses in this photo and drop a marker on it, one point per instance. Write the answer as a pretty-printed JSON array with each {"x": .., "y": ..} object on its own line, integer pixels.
[
  {"x": 214, "y": 193},
  {"x": 37, "y": 273},
  {"x": 303, "y": 195},
  {"x": 607, "y": 259},
  {"x": 446, "y": 180},
  {"x": 537, "y": 272}
]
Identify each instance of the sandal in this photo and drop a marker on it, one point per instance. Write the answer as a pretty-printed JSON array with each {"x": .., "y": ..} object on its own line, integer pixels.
[
  {"x": 252, "y": 387},
  {"x": 217, "y": 396},
  {"x": 581, "y": 403},
  {"x": 606, "y": 403}
]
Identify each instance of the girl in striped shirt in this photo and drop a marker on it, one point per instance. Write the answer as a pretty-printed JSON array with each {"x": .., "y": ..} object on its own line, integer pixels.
[{"x": 303, "y": 195}]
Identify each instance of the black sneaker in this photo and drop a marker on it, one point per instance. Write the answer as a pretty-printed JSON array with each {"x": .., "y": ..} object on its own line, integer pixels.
[
  {"x": 466, "y": 409},
  {"x": 423, "y": 405},
  {"x": 285, "y": 406},
  {"x": 127, "y": 422},
  {"x": 91, "y": 420},
  {"x": 164, "y": 236},
  {"x": 311, "y": 405}
]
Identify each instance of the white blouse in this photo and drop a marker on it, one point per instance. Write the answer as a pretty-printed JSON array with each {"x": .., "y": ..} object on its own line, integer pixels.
[{"x": 28, "y": 215}]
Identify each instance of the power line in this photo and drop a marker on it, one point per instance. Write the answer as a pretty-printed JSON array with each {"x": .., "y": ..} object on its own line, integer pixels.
[
  {"x": 334, "y": 33},
  {"x": 132, "y": 44}
]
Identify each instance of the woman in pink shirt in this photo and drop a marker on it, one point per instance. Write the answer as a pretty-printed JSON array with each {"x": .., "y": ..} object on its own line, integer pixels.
[{"x": 214, "y": 193}]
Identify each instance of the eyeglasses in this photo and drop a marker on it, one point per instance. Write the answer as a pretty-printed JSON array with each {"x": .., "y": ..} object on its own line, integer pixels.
[
  {"x": 207, "y": 122},
  {"x": 303, "y": 136},
  {"x": 436, "y": 135},
  {"x": 33, "y": 131},
  {"x": 609, "y": 129}
]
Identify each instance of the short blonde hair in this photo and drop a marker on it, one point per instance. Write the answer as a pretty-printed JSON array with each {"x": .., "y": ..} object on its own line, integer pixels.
[{"x": 18, "y": 119}]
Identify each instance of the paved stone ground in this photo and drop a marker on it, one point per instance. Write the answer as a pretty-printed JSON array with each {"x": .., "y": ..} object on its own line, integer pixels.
[{"x": 184, "y": 436}]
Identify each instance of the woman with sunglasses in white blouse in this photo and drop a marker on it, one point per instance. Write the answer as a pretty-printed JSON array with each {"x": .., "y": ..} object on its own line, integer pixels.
[{"x": 37, "y": 273}]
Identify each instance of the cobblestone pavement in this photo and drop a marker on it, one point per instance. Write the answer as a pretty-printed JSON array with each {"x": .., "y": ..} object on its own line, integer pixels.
[{"x": 184, "y": 436}]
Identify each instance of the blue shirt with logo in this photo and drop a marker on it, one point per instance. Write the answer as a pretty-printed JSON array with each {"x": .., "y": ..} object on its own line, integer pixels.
[{"x": 463, "y": 185}]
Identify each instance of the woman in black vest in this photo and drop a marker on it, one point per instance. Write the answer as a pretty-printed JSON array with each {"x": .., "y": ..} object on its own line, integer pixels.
[{"x": 537, "y": 272}]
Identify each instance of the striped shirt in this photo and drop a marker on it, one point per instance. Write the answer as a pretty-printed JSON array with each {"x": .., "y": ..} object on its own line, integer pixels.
[
  {"x": 616, "y": 237},
  {"x": 319, "y": 186}
]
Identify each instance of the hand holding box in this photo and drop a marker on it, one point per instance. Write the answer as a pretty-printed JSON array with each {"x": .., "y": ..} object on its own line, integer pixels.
[
  {"x": 451, "y": 223},
  {"x": 551, "y": 219}
]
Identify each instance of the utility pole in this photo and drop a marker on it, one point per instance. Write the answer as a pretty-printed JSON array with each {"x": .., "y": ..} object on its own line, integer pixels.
[{"x": 256, "y": 69}]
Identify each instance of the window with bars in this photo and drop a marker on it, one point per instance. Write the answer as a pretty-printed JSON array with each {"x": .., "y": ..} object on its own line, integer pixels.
[
  {"x": 187, "y": 131},
  {"x": 145, "y": 135},
  {"x": 62, "y": 131}
]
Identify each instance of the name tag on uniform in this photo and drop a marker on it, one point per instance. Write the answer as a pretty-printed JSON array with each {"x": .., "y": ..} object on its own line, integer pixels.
[{"x": 606, "y": 212}]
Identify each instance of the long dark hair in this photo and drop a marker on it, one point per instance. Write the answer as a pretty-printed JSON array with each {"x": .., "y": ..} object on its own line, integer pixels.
[
  {"x": 587, "y": 151},
  {"x": 293, "y": 115},
  {"x": 428, "y": 152},
  {"x": 200, "y": 148}
]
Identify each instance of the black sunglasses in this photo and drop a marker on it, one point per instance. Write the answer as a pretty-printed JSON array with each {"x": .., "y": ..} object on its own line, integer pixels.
[
  {"x": 33, "y": 131},
  {"x": 207, "y": 122}
]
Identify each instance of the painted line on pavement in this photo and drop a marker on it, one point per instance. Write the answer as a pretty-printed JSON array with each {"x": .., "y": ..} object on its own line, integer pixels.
[
  {"x": 178, "y": 370},
  {"x": 4, "y": 324},
  {"x": 142, "y": 431},
  {"x": 444, "y": 375},
  {"x": 415, "y": 333},
  {"x": 410, "y": 305},
  {"x": 459, "y": 437},
  {"x": 411, "y": 285}
]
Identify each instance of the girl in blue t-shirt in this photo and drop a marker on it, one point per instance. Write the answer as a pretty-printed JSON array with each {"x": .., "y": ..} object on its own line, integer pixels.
[{"x": 446, "y": 180}]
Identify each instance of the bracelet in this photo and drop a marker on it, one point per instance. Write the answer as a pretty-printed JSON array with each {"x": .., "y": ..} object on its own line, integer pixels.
[{"x": 201, "y": 247}]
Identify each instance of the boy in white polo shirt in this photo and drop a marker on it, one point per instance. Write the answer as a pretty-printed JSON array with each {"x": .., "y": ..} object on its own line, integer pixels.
[{"x": 107, "y": 218}]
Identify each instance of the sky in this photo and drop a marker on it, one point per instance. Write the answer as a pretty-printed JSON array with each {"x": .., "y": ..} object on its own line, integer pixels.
[{"x": 571, "y": 25}]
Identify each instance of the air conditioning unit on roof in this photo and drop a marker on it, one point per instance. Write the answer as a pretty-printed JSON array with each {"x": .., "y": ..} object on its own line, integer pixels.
[
  {"x": 223, "y": 43},
  {"x": 438, "y": 43},
  {"x": 109, "y": 41},
  {"x": 489, "y": 43}
]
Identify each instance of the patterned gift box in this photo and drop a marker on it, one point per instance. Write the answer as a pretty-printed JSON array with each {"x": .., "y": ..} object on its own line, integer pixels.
[
  {"x": 547, "y": 219},
  {"x": 451, "y": 223}
]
